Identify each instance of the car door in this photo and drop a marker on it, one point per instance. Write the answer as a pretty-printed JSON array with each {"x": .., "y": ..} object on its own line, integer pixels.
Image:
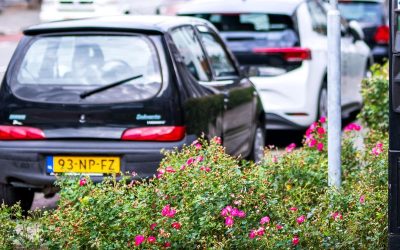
[
  {"x": 202, "y": 103},
  {"x": 319, "y": 17},
  {"x": 239, "y": 94}
]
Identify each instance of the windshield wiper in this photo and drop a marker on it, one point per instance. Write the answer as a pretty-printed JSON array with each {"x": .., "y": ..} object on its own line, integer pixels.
[{"x": 108, "y": 86}]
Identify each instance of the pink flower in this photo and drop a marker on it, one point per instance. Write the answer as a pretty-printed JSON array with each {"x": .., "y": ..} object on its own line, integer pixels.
[
  {"x": 139, "y": 239},
  {"x": 301, "y": 219},
  {"x": 352, "y": 127},
  {"x": 82, "y": 182},
  {"x": 309, "y": 134},
  {"x": 362, "y": 199},
  {"x": 313, "y": 126},
  {"x": 279, "y": 227},
  {"x": 337, "y": 216},
  {"x": 204, "y": 168},
  {"x": 170, "y": 169},
  {"x": 265, "y": 220},
  {"x": 291, "y": 147},
  {"x": 260, "y": 231},
  {"x": 189, "y": 161},
  {"x": 153, "y": 226},
  {"x": 275, "y": 159},
  {"x": 197, "y": 146},
  {"x": 378, "y": 149},
  {"x": 320, "y": 146},
  {"x": 312, "y": 143},
  {"x": 151, "y": 239},
  {"x": 252, "y": 234},
  {"x": 235, "y": 212},
  {"x": 293, "y": 209},
  {"x": 160, "y": 173},
  {"x": 176, "y": 225},
  {"x": 226, "y": 211},
  {"x": 229, "y": 221},
  {"x": 183, "y": 167},
  {"x": 218, "y": 140},
  {"x": 241, "y": 214},
  {"x": 295, "y": 240},
  {"x": 321, "y": 131},
  {"x": 168, "y": 212},
  {"x": 322, "y": 119},
  {"x": 199, "y": 158},
  {"x": 167, "y": 244}
]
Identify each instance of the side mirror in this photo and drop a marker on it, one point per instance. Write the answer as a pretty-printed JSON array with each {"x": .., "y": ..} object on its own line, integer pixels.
[{"x": 356, "y": 31}]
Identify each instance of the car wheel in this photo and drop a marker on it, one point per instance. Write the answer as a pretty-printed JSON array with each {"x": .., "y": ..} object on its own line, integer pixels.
[
  {"x": 257, "y": 153},
  {"x": 323, "y": 102},
  {"x": 12, "y": 195}
]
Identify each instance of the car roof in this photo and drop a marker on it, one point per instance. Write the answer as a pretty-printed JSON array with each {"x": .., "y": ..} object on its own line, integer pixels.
[
  {"x": 143, "y": 23},
  {"x": 240, "y": 6}
]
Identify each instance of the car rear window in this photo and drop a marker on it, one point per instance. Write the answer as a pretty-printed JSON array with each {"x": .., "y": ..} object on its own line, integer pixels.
[
  {"x": 58, "y": 69},
  {"x": 255, "y": 22},
  {"x": 363, "y": 12}
]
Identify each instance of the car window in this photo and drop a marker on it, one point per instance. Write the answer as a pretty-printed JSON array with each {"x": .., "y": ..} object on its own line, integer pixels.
[
  {"x": 60, "y": 68},
  {"x": 220, "y": 61},
  {"x": 318, "y": 17},
  {"x": 363, "y": 12},
  {"x": 191, "y": 52},
  {"x": 253, "y": 22}
]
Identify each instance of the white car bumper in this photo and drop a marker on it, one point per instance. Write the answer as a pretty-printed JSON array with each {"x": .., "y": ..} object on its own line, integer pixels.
[{"x": 290, "y": 99}]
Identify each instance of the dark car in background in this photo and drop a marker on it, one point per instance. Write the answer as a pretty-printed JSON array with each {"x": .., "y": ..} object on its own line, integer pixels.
[
  {"x": 103, "y": 96},
  {"x": 373, "y": 18}
]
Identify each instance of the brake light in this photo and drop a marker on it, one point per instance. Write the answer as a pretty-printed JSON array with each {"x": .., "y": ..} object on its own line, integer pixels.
[
  {"x": 295, "y": 54},
  {"x": 382, "y": 35},
  {"x": 20, "y": 133},
  {"x": 161, "y": 133}
]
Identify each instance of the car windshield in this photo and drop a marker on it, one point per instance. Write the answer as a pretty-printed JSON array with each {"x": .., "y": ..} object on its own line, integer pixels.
[
  {"x": 363, "y": 12},
  {"x": 59, "y": 68},
  {"x": 255, "y": 22}
]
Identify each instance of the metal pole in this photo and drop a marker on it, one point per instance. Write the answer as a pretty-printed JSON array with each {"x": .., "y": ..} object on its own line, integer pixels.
[{"x": 334, "y": 96}]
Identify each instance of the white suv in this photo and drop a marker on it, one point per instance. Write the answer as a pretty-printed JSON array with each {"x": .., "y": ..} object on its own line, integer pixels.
[{"x": 284, "y": 44}]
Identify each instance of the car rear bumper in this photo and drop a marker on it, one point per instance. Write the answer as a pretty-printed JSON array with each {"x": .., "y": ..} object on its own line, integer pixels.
[
  {"x": 380, "y": 53},
  {"x": 23, "y": 163}
]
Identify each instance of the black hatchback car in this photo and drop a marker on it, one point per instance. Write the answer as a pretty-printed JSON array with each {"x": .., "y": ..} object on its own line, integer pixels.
[{"x": 105, "y": 95}]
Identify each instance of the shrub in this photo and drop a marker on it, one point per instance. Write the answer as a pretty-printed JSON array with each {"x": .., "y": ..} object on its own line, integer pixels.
[
  {"x": 375, "y": 93},
  {"x": 203, "y": 198}
]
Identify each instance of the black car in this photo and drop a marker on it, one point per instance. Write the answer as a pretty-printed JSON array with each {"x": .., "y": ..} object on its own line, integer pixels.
[
  {"x": 103, "y": 96},
  {"x": 373, "y": 18}
]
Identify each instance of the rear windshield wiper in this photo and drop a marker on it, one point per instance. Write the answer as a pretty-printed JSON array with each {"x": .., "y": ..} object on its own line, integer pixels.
[{"x": 108, "y": 86}]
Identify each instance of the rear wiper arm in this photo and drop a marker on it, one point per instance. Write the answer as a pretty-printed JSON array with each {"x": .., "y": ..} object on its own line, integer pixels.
[{"x": 108, "y": 86}]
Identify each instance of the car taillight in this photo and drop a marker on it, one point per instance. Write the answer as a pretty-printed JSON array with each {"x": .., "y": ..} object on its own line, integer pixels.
[
  {"x": 295, "y": 54},
  {"x": 160, "y": 133},
  {"x": 20, "y": 133},
  {"x": 382, "y": 35}
]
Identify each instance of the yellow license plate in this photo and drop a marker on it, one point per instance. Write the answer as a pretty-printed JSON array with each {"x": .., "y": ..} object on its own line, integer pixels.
[{"x": 84, "y": 164}]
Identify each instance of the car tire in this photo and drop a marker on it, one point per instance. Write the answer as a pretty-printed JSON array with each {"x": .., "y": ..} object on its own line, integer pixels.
[
  {"x": 322, "y": 106},
  {"x": 257, "y": 152},
  {"x": 11, "y": 195}
]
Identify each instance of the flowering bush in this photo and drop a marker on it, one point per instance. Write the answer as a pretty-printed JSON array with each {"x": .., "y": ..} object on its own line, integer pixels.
[
  {"x": 375, "y": 93},
  {"x": 203, "y": 198}
]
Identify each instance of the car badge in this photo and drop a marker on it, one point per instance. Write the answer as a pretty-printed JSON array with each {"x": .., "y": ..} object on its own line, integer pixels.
[
  {"x": 15, "y": 122},
  {"x": 82, "y": 119}
]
